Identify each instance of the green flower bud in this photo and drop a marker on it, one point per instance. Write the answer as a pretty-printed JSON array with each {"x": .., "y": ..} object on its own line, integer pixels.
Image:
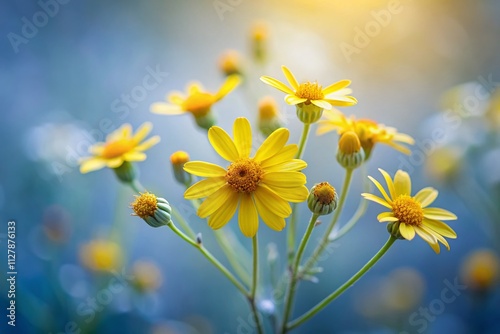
[
  {"x": 153, "y": 210},
  {"x": 322, "y": 199}
]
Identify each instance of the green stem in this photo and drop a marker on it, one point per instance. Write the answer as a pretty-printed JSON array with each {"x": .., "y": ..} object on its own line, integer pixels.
[
  {"x": 137, "y": 186},
  {"x": 303, "y": 140},
  {"x": 325, "y": 240},
  {"x": 255, "y": 275},
  {"x": 321, "y": 305},
  {"x": 293, "y": 281},
  {"x": 210, "y": 258}
]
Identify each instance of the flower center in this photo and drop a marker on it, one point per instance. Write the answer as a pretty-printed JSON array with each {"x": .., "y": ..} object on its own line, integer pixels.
[
  {"x": 117, "y": 148},
  {"x": 145, "y": 205},
  {"x": 407, "y": 210},
  {"x": 244, "y": 175},
  {"x": 324, "y": 192},
  {"x": 310, "y": 91},
  {"x": 199, "y": 103}
]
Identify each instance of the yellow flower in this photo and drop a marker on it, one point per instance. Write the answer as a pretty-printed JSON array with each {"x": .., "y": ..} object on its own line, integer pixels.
[
  {"x": 261, "y": 186},
  {"x": 146, "y": 276},
  {"x": 101, "y": 255},
  {"x": 369, "y": 132},
  {"x": 198, "y": 102},
  {"x": 120, "y": 146},
  {"x": 481, "y": 269},
  {"x": 312, "y": 92},
  {"x": 410, "y": 215},
  {"x": 230, "y": 63}
]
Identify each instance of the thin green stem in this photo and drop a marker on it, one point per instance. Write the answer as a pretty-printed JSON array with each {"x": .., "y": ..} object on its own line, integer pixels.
[
  {"x": 303, "y": 140},
  {"x": 293, "y": 281},
  {"x": 255, "y": 276},
  {"x": 325, "y": 240},
  {"x": 210, "y": 258},
  {"x": 321, "y": 305},
  {"x": 137, "y": 186}
]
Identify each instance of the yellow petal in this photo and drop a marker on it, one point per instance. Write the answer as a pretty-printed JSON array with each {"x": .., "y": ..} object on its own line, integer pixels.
[
  {"x": 272, "y": 145},
  {"x": 194, "y": 87},
  {"x": 336, "y": 87},
  {"x": 294, "y": 195},
  {"x": 295, "y": 165},
  {"x": 322, "y": 104},
  {"x": 284, "y": 179},
  {"x": 386, "y": 217},
  {"x": 437, "y": 236},
  {"x": 115, "y": 162},
  {"x": 426, "y": 196},
  {"x": 142, "y": 132},
  {"x": 440, "y": 227},
  {"x": 204, "y": 169},
  {"x": 224, "y": 214},
  {"x": 204, "y": 188},
  {"x": 231, "y": 82},
  {"x": 292, "y": 100},
  {"x": 166, "y": 109},
  {"x": 325, "y": 127},
  {"x": 346, "y": 101},
  {"x": 176, "y": 98},
  {"x": 215, "y": 201},
  {"x": 242, "y": 133},
  {"x": 286, "y": 154},
  {"x": 276, "y": 84},
  {"x": 120, "y": 133},
  {"x": 134, "y": 156},
  {"x": 388, "y": 181},
  {"x": 289, "y": 76},
  {"x": 272, "y": 220},
  {"x": 376, "y": 199},
  {"x": 429, "y": 238},
  {"x": 402, "y": 183},
  {"x": 408, "y": 232},
  {"x": 267, "y": 198},
  {"x": 248, "y": 219},
  {"x": 439, "y": 214},
  {"x": 146, "y": 145},
  {"x": 91, "y": 165},
  {"x": 381, "y": 189},
  {"x": 222, "y": 143}
]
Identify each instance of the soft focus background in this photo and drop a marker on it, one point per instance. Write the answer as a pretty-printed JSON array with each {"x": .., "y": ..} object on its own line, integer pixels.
[{"x": 429, "y": 68}]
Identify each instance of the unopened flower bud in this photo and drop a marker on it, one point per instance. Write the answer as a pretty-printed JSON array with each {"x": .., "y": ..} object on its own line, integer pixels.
[
  {"x": 230, "y": 63},
  {"x": 126, "y": 172},
  {"x": 349, "y": 153},
  {"x": 153, "y": 210},
  {"x": 269, "y": 117},
  {"x": 259, "y": 35},
  {"x": 178, "y": 159},
  {"x": 308, "y": 113},
  {"x": 322, "y": 199}
]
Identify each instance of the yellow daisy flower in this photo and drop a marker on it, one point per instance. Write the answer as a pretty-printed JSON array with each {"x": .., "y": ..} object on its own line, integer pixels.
[
  {"x": 410, "y": 215},
  {"x": 101, "y": 255},
  {"x": 368, "y": 131},
  {"x": 198, "y": 102},
  {"x": 261, "y": 185},
  {"x": 120, "y": 146}
]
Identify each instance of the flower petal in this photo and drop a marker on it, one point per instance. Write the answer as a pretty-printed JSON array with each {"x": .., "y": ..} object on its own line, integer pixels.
[
  {"x": 231, "y": 83},
  {"x": 120, "y": 133},
  {"x": 194, "y": 87},
  {"x": 267, "y": 198},
  {"x": 272, "y": 220},
  {"x": 176, "y": 98},
  {"x": 204, "y": 169},
  {"x": 222, "y": 143},
  {"x": 440, "y": 227},
  {"x": 248, "y": 219},
  {"x": 286, "y": 154},
  {"x": 381, "y": 189},
  {"x": 294, "y": 165},
  {"x": 292, "y": 99},
  {"x": 276, "y": 84},
  {"x": 407, "y": 231},
  {"x": 224, "y": 214},
  {"x": 429, "y": 238},
  {"x": 284, "y": 179},
  {"x": 402, "y": 183},
  {"x": 218, "y": 199},
  {"x": 426, "y": 196},
  {"x": 439, "y": 214},
  {"x": 272, "y": 145},
  {"x": 386, "y": 217},
  {"x": 437, "y": 236},
  {"x": 294, "y": 195},
  {"x": 388, "y": 181},
  {"x": 146, "y": 145},
  {"x": 336, "y": 86},
  {"x": 376, "y": 199},
  {"x": 166, "y": 109},
  {"x": 242, "y": 133},
  {"x": 115, "y": 162},
  {"x": 290, "y": 77},
  {"x": 322, "y": 104},
  {"x": 91, "y": 164},
  {"x": 134, "y": 156},
  {"x": 338, "y": 101},
  {"x": 142, "y": 132},
  {"x": 204, "y": 188}
]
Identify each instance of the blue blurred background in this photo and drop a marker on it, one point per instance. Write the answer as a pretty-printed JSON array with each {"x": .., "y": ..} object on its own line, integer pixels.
[{"x": 65, "y": 83}]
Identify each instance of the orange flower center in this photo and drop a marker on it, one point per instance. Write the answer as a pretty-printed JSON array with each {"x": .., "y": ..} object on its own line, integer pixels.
[
  {"x": 117, "y": 148},
  {"x": 244, "y": 175},
  {"x": 199, "y": 103},
  {"x": 407, "y": 210},
  {"x": 325, "y": 193},
  {"x": 145, "y": 205},
  {"x": 310, "y": 91}
]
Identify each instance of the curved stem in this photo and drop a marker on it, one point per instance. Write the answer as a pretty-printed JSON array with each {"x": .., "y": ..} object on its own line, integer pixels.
[
  {"x": 293, "y": 281},
  {"x": 344, "y": 286},
  {"x": 210, "y": 258},
  {"x": 255, "y": 275},
  {"x": 303, "y": 140},
  {"x": 325, "y": 240}
]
